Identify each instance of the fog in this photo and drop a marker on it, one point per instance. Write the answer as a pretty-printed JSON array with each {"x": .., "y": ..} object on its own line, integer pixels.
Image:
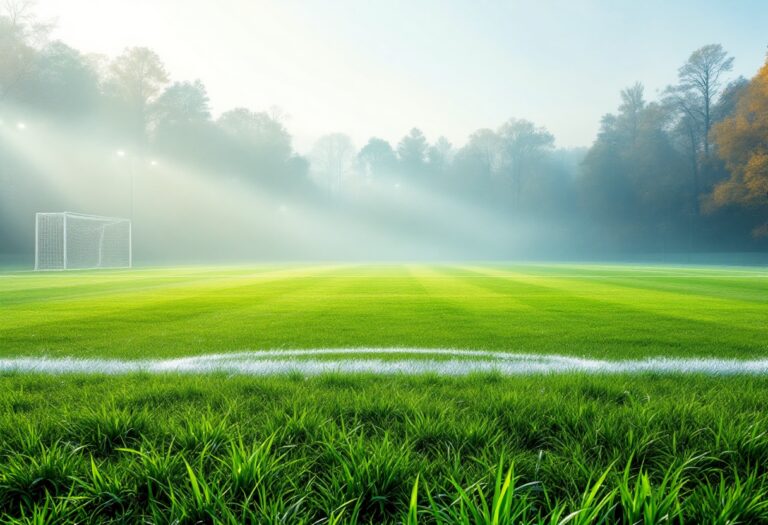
[
  {"x": 183, "y": 212},
  {"x": 115, "y": 136}
]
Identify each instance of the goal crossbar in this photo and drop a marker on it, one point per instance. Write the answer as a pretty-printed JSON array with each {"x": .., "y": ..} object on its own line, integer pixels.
[{"x": 86, "y": 216}]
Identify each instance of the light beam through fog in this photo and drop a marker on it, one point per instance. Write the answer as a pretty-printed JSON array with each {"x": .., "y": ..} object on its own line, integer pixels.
[
  {"x": 668, "y": 175},
  {"x": 182, "y": 213}
]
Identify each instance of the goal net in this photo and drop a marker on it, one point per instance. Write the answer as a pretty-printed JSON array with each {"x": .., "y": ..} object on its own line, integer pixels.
[{"x": 65, "y": 241}]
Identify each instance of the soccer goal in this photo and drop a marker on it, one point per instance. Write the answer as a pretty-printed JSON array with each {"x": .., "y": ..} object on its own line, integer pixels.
[{"x": 68, "y": 241}]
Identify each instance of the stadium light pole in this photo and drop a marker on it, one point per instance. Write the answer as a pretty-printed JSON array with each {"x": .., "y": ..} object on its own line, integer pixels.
[{"x": 121, "y": 153}]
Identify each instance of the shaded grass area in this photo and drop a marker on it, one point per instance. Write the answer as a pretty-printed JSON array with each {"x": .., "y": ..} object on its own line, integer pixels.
[
  {"x": 362, "y": 449},
  {"x": 609, "y": 311}
]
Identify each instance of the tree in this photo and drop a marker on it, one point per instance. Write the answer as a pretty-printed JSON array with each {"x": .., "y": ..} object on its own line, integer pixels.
[
  {"x": 475, "y": 165},
  {"x": 332, "y": 160},
  {"x": 440, "y": 154},
  {"x": 631, "y": 108},
  {"x": 377, "y": 159},
  {"x": 136, "y": 78},
  {"x": 688, "y": 131},
  {"x": 257, "y": 131},
  {"x": 700, "y": 81},
  {"x": 742, "y": 142},
  {"x": 21, "y": 35},
  {"x": 729, "y": 98},
  {"x": 257, "y": 146},
  {"x": 522, "y": 143},
  {"x": 412, "y": 152},
  {"x": 485, "y": 145},
  {"x": 630, "y": 174},
  {"x": 63, "y": 84},
  {"x": 484, "y": 152},
  {"x": 604, "y": 184},
  {"x": 182, "y": 103},
  {"x": 181, "y": 124}
]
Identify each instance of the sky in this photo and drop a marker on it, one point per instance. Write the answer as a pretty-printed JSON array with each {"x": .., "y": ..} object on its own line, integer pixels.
[{"x": 381, "y": 67}]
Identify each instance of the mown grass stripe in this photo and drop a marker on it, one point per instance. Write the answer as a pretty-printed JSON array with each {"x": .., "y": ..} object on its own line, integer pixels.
[{"x": 535, "y": 309}]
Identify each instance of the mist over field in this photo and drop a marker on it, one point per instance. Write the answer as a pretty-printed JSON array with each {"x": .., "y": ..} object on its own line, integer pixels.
[
  {"x": 672, "y": 172},
  {"x": 383, "y": 262}
]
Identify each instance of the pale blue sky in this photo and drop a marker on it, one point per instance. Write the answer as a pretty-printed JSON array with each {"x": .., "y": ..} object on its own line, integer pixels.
[{"x": 449, "y": 67}]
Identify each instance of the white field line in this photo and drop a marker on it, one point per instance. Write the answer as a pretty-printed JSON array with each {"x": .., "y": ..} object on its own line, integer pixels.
[{"x": 452, "y": 363}]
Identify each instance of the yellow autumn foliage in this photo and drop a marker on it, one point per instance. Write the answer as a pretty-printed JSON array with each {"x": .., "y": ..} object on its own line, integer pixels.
[{"x": 742, "y": 142}]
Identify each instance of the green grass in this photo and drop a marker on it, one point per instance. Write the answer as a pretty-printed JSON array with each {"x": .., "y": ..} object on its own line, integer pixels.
[
  {"x": 483, "y": 449},
  {"x": 597, "y": 311}
]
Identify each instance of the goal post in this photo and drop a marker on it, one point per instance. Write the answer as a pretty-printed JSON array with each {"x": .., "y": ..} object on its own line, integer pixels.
[{"x": 69, "y": 241}]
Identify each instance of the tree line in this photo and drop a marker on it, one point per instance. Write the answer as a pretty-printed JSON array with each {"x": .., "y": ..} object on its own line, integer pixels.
[{"x": 687, "y": 171}]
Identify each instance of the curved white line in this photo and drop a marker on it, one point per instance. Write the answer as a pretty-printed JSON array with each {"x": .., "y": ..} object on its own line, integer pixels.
[
  {"x": 448, "y": 352},
  {"x": 274, "y": 362}
]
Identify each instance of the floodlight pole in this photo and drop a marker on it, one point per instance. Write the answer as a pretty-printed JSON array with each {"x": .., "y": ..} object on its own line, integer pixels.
[
  {"x": 132, "y": 170},
  {"x": 131, "y": 190}
]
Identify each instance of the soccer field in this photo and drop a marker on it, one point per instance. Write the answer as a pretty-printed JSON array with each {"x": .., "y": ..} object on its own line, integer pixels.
[
  {"x": 602, "y": 312},
  {"x": 295, "y": 447}
]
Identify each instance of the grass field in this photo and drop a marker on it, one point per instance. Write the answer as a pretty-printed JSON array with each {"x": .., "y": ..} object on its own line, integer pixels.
[
  {"x": 339, "y": 448},
  {"x": 596, "y": 311}
]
